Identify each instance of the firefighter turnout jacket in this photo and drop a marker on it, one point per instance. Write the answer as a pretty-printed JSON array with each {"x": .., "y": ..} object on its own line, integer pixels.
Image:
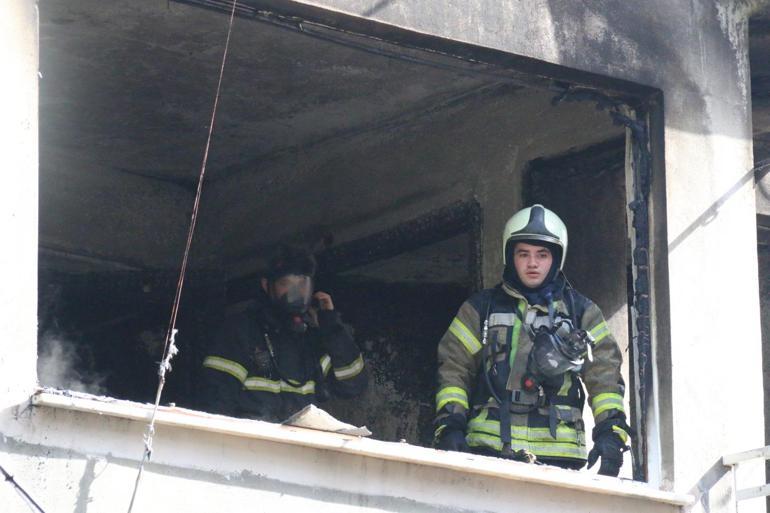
[
  {"x": 242, "y": 379},
  {"x": 555, "y": 408}
]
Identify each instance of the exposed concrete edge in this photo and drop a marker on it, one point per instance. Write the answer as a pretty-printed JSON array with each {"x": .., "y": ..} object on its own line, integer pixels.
[
  {"x": 337, "y": 18},
  {"x": 400, "y": 452}
]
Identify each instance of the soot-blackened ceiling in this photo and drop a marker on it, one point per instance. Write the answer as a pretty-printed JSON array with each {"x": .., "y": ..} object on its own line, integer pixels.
[
  {"x": 136, "y": 81},
  {"x": 127, "y": 91},
  {"x": 126, "y": 96}
]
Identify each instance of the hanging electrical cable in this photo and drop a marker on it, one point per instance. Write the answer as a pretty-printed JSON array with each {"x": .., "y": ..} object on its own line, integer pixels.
[
  {"x": 21, "y": 491},
  {"x": 169, "y": 347}
]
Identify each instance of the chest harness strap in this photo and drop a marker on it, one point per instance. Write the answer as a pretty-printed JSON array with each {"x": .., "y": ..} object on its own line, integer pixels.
[
  {"x": 277, "y": 368},
  {"x": 504, "y": 403}
]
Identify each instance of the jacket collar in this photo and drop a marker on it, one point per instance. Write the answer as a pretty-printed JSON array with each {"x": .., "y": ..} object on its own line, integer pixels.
[{"x": 559, "y": 304}]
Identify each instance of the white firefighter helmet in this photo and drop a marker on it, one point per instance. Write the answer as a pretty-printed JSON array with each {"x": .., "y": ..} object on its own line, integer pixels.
[{"x": 535, "y": 224}]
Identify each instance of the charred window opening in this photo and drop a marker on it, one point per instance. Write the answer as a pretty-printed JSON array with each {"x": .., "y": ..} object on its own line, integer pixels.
[{"x": 397, "y": 166}]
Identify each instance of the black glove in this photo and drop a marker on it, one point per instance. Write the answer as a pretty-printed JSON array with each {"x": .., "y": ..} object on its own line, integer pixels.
[
  {"x": 450, "y": 434},
  {"x": 610, "y": 437}
]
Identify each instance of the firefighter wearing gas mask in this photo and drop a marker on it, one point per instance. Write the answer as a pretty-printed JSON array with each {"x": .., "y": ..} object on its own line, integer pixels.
[
  {"x": 286, "y": 351},
  {"x": 518, "y": 359}
]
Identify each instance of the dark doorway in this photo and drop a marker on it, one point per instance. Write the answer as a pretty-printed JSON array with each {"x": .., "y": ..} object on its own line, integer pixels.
[{"x": 587, "y": 189}]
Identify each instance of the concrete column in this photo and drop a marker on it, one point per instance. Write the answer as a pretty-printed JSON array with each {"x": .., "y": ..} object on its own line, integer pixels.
[
  {"x": 716, "y": 402},
  {"x": 18, "y": 199}
]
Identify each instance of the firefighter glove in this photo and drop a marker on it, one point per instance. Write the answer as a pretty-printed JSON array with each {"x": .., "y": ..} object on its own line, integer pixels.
[
  {"x": 450, "y": 434},
  {"x": 610, "y": 438}
]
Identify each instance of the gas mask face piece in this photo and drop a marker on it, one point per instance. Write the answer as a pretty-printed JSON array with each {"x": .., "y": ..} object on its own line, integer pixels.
[
  {"x": 292, "y": 294},
  {"x": 557, "y": 350}
]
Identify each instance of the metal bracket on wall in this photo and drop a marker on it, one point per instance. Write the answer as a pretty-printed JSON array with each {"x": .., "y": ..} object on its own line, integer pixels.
[{"x": 629, "y": 117}]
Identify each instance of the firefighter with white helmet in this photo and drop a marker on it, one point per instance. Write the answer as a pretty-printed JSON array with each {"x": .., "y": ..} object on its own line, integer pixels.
[{"x": 518, "y": 358}]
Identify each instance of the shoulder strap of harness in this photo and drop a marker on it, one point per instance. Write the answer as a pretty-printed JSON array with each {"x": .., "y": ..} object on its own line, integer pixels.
[
  {"x": 577, "y": 304},
  {"x": 504, "y": 403}
]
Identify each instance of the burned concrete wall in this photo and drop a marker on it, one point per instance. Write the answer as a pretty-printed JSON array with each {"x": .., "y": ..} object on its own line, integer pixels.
[
  {"x": 90, "y": 211},
  {"x": 397, "y": 326},
  {"x": 103, "y": 333},
  {"x": 100, "y": 194}
]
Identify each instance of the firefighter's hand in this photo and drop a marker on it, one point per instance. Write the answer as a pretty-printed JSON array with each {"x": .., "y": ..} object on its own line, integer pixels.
[
  {"x": 610, "y": 438},
  {"x": 450, "y": 434},
  {"x": 453, "y": 440},
  {"x": 610, "y": 448},
  {"x": 323, "y": 300}
]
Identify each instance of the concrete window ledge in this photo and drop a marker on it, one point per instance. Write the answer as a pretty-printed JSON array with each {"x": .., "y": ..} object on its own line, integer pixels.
[{"x": 364, "y": 447}]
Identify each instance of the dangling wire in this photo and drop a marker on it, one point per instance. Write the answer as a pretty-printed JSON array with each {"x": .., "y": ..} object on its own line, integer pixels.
[
  {"x": 8, "y": 477},
  {"x": 169, "y": 347}
]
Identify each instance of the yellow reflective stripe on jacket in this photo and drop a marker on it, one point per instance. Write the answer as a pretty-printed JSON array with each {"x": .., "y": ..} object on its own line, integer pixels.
[
  {"x": 564, "y": 434},
  {"x": 607, "y": 401},
  {"x": 621, "y": 433},
  {"x": 230, "y": 367},
  {"x": 350, "y": 371},
  {"x": 326, "y": 364},
  {"x": 464, "y": 335},
  {"x": 566, "y": 384},
  {"x": 258, "y": 384},
  {"x": 600, "y": 331},
  {"x": 451, "y": 395},
  {"x": 542, "y": 449}
]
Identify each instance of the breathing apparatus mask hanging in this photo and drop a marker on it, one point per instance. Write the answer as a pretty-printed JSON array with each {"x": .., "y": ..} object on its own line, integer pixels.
[
  {"x": 556, "y": 349},
  {"x": 292, "y": 294}
]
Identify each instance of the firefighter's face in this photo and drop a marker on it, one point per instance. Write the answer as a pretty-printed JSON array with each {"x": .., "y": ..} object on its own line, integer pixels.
[
  {"x": 292, "y": 292},
  {"x": 532, "y": 263}
]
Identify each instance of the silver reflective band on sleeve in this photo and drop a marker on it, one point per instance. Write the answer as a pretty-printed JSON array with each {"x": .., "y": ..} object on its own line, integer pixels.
[
  {"x": 258, "y": 384},
  {"x": 502, "y": 319},
  {"x": 230, "y": 367},
  {"x": 326, "y": 364},
  {"x": 350, "y": 371},
  {"x": 465, "y": 336}
]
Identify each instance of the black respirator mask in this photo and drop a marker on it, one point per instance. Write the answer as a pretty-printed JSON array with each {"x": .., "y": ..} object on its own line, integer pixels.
[
  {"x": 556, "y": 350},
  {"x": 292, "y": 294}
]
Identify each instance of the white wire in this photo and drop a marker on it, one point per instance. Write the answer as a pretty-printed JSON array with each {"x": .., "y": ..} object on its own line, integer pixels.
[{"x": 169, "y": 348}]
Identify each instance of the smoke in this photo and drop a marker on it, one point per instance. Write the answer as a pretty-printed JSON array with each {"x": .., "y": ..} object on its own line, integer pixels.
[{"x": 60, "y": 366}]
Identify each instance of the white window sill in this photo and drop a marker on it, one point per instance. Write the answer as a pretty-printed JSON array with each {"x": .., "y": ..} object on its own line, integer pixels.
[{"x": 402, "y": 452}]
